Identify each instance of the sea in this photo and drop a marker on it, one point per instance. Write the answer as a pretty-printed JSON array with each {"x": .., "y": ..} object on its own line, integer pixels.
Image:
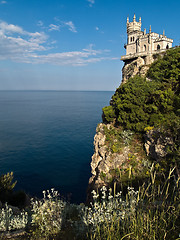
[{"x": 46, "y": 139}]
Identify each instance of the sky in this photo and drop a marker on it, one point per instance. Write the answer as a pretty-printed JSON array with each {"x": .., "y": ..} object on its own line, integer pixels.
[{"x": 73, "y": 44}]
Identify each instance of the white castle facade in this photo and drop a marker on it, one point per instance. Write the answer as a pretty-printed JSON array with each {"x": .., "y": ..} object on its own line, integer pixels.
[{"x": 142, "y": 44}]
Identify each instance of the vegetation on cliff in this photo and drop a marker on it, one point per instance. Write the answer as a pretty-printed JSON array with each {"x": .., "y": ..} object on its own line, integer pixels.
[
  {"x": 140, "y": 103},
  {"x": 151, "y": 102}
]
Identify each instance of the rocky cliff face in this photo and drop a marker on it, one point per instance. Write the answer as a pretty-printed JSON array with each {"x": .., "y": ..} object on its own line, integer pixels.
[
  {"x": 138, "y": 66},
  {"x": 119, "y": 153},
  {"x": 133, "y": 67},
  {"x": 156, "y": 144},
  {"x": 103, "y": 160}
]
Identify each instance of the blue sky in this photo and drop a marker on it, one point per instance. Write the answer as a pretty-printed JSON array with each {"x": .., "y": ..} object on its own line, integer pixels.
[{"x": 73, "y": 44}]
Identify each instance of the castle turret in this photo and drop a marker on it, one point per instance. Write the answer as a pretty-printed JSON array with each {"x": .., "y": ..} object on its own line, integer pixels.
[{"x": 133, "y": 26}]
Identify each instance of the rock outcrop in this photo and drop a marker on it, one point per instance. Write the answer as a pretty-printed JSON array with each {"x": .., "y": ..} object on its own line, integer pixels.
[
  {"x": 133, "y": 67},
  {"x": 132, "y": 157},
  {"x": 157, "y": 143},
  {"x": 109, "y": 162},
  {"x": 138, "y": 66},
  {"x": 103, "y": 161}
]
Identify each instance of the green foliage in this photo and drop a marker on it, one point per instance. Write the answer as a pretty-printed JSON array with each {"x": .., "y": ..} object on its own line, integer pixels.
[
  {"x": 102, "y": 175},
  {"x": 109, "y": 114},
  {"x": 167, "y": 69},
  {"x": 132, "y": 103},
  {"x": 6, "y": 183},
  {"x": 117, "y": 138},
  {"x": 140, "y": 103}
]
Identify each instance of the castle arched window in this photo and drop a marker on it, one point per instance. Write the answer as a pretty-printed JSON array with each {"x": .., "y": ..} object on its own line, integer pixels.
[
  {"x": 131, "y": 39},
  {"x": 158, "y": 47},
  {"x": 167, "y": 47},
  {"x": 144, "y": 47}
]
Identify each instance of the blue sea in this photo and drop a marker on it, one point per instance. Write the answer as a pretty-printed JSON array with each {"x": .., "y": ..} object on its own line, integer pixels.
[{"x": 46, "y": 139}]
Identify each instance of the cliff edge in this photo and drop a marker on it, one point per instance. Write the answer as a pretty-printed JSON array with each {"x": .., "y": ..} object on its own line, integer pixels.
[{"x": 141, "y": 126}]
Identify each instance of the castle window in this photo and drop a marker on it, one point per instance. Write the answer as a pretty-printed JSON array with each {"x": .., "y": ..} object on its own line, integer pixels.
[
  {"x": 131, "y": 39},
  {"x": 144, "y": 47},
  {"x": 167, "y": 47},
  {"x": 158, "y": 47}
]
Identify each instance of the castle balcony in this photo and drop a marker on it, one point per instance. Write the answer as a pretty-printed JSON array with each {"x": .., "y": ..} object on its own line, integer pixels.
[
  {"x": 141, "y": 54},
  {"x": 133, "y": 55}
]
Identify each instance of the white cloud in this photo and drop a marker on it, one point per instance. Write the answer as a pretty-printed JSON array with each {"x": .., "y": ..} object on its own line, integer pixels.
[
  {"x": 10, "y": 28},
  {"x": 70, "y": 26},
  {"x": 97, "y": 29},
  {"x": 75, "y": 58},
  {"x": 91, "y": 2},
  {"x": 62, "y": 24},
  {"x": 53, "y": 27},
  {"x": 15, "y": 43},
  {"x": 18, "y": 45}
]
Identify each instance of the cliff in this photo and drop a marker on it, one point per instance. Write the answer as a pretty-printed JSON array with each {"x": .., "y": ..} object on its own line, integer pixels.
[
  {"x": 116, "y": 151},
  {"x": 139, "y": 66},
  {"x": 141, "y": 126},
  {"x": 134, "y": 67}
]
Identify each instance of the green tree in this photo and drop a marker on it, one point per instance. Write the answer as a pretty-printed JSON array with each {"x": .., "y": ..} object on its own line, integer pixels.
[{"x": 6, "y": 182}]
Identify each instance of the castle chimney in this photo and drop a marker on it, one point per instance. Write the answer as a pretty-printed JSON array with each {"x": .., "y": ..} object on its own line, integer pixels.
[{"x": 145, "y": 31}]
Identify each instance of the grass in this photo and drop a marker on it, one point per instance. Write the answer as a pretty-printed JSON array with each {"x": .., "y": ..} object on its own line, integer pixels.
[
  {"x": 154, "y": 214},
  {"x": 150, "y": 213}
]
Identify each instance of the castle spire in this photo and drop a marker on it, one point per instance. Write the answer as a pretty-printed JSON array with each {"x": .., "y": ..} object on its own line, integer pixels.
[
  {"x": 163, "y": 32},
  {"x": 127, "y": 19},
  {"x": 134, "y": 18},
  {"x": 139, "y": 19},
  {"x": 150, "y": 29}
]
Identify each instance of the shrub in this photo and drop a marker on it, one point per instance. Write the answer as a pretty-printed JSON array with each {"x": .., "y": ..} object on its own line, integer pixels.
[
  {"x": 10, "y": 221},
  {"x": 6, "y": 183},
  {"x": 108, "y": 114},
  {"x": 47, "y": 215}
]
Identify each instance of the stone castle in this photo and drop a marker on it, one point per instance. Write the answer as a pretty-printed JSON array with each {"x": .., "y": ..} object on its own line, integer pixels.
[{"x": 141, "y": 48}]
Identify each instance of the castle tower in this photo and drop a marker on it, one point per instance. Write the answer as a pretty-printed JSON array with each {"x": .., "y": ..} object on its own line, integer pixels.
[
  {"x": 133, "y": 31},
  {"x": 133, "y": 26}
]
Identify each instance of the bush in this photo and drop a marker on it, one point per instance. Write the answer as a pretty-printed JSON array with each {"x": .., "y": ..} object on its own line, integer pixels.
[
  {"x": 10, "y": 221},
  {"x": 6, "y": 182},
  {"x": 47, "y": 215},
  {"x": 108, "y": 114}
]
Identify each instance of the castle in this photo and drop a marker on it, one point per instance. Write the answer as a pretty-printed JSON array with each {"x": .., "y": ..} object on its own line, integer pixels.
[{"x": 141, "y": 46}]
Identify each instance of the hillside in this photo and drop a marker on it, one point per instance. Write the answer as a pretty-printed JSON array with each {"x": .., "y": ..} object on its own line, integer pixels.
[{"x": 141, "y": 126}]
